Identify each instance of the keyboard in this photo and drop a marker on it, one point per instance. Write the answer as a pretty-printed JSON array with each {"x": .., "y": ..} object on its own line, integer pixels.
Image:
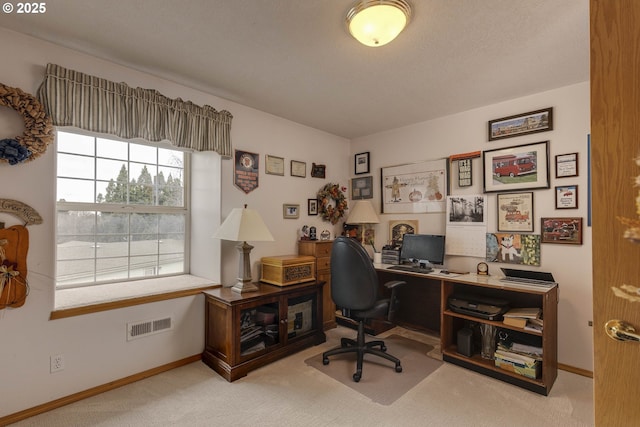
[
  {"x": 525, "y": 281},
  {"x": 424, "y": 270}
]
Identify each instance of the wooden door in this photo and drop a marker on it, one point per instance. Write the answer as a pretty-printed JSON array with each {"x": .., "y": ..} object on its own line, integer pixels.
[{"x": 615, "y": 145}]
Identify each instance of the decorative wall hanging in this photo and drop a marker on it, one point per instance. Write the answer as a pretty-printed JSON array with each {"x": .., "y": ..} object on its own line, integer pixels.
[
  {"x": 14, "y": 245},
  {"x": 415, "y": 188},
  {"x": 21, "y": 210},
  {"x": 515, "y": 212},
  {"x": 566, "y": 165},
  {"x": 567, "y": 197},
  {"x": 362, "y": 188},
  {"x": 298, "y": 169},
  {"x": 332, "y": 202},
  {"x": 274, "y": 165},
  {"x": 38, "y": 130},
  {"x": 246, "y": 169},
  {"x": 521, "y": 124},
  {"x": 361, "y": 163}
]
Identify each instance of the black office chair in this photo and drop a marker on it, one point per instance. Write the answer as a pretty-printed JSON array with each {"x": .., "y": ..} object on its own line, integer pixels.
[{"x": 354, "y": 288}]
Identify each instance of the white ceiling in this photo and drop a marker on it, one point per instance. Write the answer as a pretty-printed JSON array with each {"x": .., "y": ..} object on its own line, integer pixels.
[{"x": 295, "y": 58}]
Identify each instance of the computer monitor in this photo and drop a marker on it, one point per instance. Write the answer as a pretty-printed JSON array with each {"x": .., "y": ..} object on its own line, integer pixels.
[{"x": 425, "y": 249}]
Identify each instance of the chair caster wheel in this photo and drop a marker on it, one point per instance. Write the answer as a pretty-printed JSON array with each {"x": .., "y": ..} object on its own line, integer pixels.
[
  {"x": 398, "y": 368},
  {"x": 357, "y": 376},
  {"x": 325, "y": 360}
]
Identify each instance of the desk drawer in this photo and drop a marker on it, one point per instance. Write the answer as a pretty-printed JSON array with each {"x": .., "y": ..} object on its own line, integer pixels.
[
  {"x": 323, "y": 249},
  {"x": 323, "y": 263}
]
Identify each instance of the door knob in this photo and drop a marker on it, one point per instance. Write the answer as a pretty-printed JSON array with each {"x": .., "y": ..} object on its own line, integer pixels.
[{"x": 620, "y": 330}]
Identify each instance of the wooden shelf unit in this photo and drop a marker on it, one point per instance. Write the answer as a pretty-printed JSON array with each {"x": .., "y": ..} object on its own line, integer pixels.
[
  {"x": 451, "y": 322},
  {"x": 226, "y": 312},
  {"x": 321, "y": 250}
]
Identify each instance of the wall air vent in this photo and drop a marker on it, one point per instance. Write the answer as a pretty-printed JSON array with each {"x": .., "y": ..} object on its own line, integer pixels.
[{"x": 149, "y": 327}]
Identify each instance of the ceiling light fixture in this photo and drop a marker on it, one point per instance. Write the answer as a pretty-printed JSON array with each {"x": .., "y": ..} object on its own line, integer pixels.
[{"x": 377, "y": 22}]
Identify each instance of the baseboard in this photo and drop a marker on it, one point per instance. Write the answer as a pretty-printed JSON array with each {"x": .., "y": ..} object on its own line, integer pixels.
[
  {"x": 574, "y": 370},
  {"x": 45, "y": 407}
]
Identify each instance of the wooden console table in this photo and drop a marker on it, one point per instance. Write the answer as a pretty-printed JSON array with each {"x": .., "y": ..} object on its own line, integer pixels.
[{"x": 249, "y": 330}]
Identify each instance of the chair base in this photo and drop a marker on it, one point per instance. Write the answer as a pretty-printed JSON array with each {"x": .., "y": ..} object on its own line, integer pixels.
[{"x": 360, "y": 347}]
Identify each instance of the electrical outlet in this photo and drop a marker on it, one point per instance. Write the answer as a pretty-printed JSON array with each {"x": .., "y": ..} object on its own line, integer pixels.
[{"x": 57, "y": 363}]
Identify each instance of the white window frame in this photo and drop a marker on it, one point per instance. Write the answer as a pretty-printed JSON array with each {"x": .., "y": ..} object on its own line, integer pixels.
[{"x": 132, "y": 209}]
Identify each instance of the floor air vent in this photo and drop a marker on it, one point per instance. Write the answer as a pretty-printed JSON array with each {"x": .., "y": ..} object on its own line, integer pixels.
[{"x": 149, "y": 327}]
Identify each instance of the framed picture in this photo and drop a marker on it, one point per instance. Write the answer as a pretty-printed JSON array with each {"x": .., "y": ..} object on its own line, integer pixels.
[
  {"x": 290, "y": 211},
  {"x": 567, "y": 197},
  {"x": 274, "y": 165},
  {"x": 566, "y": 165},
  {"x": 298, "y": 168},
  {"x": 317, "y": 171},
  {"x": 513, "y": 248},
  {"x": 466, "y": 210},
  {"x": 515, "y": 212},
  {"x": 361, "y": 163},
  {"x": 521, "y": 124},
  {"x": 362, "y": 188},
  {"x": 312, "y": 206},
  {"x": 414, "y": 188},
  {"x": 397, "y": 230},
  {"x": 562, "y": 230},
  {"x": 521, "y": 167},
  {"x": 465, "y": 173}
]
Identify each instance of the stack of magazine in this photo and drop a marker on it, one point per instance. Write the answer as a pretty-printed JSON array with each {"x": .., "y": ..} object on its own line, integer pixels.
[{"x": 518, "y": 357}]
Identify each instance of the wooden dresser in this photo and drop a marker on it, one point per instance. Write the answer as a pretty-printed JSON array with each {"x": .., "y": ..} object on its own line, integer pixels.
[{"x": 321, "y": 250}]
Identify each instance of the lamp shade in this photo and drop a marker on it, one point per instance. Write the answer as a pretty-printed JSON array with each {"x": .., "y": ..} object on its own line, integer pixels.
[
  {"x": 243, "y": 224},
  {"x": 362, "y": 212},
  {"x": 377, "y": 22}
]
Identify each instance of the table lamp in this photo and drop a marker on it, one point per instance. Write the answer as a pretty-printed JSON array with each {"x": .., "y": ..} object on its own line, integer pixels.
[
  {"x": 241, "y": 225},
  {"x": 362, "y": 212}
]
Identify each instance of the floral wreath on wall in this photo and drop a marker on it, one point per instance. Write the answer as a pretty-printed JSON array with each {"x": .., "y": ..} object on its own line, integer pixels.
[
  {"x": 328, "y": 211},
  {"x": 38, "y": 132}
]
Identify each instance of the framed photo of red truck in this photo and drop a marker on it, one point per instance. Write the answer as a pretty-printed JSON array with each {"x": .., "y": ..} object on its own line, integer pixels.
[
  {"x": 515, "y": 212},
  {"x": 562, "y": 230},
  {"x": 567, "y": 197},
  {"x": 521, "y": 167}
]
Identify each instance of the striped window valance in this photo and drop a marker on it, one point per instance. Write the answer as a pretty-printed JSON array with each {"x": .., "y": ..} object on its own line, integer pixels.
[{"x": 87, "y": 102}]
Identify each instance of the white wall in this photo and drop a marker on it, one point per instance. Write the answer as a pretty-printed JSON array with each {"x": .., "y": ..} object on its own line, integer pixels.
[
  {"x": 467, "y": 132},
  {"x": 94, "y": 346}
]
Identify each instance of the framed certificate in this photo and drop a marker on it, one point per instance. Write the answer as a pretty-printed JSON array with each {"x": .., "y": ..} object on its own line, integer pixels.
[
  {"x": 298, "y": 168},
  {"x": 566, "y": 165},
  {"x": 274, "y": 165}
]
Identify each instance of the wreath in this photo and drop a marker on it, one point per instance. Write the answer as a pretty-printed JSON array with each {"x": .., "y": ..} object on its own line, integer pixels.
[
  {"x": 332, "y": 213},
  {"x": 38, "y": 131}
]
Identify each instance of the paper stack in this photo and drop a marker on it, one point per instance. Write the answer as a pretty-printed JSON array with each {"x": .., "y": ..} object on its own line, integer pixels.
[{"x": 527, "y": 318}]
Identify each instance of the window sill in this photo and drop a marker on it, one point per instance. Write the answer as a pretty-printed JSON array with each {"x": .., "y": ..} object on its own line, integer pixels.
[{"x": 92, "y": 299}]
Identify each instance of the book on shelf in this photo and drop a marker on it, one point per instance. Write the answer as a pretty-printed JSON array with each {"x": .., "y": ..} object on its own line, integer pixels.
[
  {"x": 518, "y": 322},
  {"x": 533, "y": 326},
  {"x": 524, "y": 312}
]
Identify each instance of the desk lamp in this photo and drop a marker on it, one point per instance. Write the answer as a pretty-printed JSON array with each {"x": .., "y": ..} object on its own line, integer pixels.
[
  {"x": 241, "y": 225},
  {"x": 362, "y": 213}
]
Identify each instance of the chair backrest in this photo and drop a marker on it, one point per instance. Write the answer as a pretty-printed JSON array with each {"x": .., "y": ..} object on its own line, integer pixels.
[{"x": 354, "y": 282}]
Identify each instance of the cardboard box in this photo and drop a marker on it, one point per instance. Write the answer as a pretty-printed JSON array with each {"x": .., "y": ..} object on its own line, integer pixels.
[{"x": 287, "y": 270}]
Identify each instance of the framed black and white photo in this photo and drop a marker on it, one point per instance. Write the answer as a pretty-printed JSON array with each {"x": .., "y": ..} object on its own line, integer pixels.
[
  {"x": 312, "y": 206},
  {"x": 361, "y": 163},
  {"x": 566, "y": 165},
  {"x": 521, "y": 167},
  {"x": 362, "y": 188}
]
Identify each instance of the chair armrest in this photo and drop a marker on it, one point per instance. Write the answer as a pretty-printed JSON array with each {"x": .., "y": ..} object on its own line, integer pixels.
[{"x": 394, "y": 284}]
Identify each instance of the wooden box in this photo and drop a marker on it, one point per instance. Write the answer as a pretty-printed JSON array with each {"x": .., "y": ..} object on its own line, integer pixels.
[{"x": 287, "y": 270}]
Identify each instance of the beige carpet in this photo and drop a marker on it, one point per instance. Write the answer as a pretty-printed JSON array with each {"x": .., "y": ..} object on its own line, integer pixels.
[{"x": 380, "y": 382}]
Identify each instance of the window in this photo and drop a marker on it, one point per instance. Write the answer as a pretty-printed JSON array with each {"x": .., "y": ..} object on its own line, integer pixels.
[{"x": 122, "y": 213}]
